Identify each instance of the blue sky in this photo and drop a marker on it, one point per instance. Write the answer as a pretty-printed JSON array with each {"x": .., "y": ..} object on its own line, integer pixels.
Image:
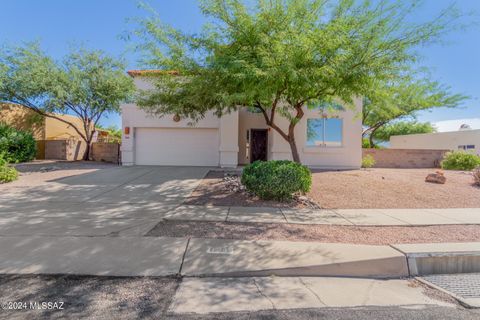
[{"x": 98, "y": 24}]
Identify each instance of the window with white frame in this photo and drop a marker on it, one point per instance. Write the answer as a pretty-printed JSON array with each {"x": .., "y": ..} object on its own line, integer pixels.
[{"x": 324, "y": 132}]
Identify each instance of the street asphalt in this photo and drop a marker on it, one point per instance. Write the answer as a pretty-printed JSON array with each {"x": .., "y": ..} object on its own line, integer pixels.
[{"x": 87, "y": 297}]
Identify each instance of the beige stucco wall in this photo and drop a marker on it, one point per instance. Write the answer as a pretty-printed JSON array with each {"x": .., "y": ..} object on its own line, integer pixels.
[
  {"x": 439, "y": 140},
  {"x": 43, "y": 128},
  {"x": 23, "y": 119},
  {"x": 56, "y": 129}
]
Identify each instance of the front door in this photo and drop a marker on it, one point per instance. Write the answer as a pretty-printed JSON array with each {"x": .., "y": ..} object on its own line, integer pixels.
[{"x": 259, "y": 145}]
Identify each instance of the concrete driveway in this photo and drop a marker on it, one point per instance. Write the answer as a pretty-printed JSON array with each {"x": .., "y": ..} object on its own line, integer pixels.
[{"x": 97, "y": 200}]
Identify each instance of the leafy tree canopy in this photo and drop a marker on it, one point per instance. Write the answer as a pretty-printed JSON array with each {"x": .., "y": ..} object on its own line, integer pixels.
[
  {"x": 86, "y": 83},
  {"x": 403, "y": 128},
  {"x": 402, "y": 99},
  {"x": 281, "y": 56}
]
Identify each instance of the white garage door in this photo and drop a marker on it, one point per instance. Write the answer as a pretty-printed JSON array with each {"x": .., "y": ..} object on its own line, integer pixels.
[{"x": 177, "y": 147}]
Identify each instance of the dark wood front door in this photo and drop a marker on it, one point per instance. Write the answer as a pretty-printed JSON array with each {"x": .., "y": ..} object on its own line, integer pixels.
[{"x": 259, "y": 144}]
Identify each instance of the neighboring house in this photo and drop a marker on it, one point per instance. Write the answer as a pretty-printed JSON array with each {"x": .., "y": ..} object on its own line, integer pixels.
[
  {"x": 43, "y": 128},
  {"x": 238, "y": 138},
  {"x": 463, "y": 139}
]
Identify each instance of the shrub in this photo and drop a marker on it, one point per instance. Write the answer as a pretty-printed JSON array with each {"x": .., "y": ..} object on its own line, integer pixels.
[
  {"x": 460, "y": 160},
  {"x": 16, "y": 145},
  {"x": 7, "y": 173},
  {"x": 368, "y": 161},
  {"x": 277, "y": 180},
  {"x": 366, "y": 143},
  {"x": 476, "y": 176}
]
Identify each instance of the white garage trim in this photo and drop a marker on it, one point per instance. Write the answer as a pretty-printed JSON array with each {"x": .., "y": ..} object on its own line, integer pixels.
[{"x": 177, "y": 146}]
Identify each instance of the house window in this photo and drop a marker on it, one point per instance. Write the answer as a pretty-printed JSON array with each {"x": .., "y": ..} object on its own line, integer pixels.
[
  {"x": 466, "y": 147},
  {"x": 324, "y": 132}
]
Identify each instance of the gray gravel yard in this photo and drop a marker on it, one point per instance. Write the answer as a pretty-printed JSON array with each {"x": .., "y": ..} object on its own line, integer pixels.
[
  {"x": 321, "y": 233},
  {"x": 88, "y": 297}
]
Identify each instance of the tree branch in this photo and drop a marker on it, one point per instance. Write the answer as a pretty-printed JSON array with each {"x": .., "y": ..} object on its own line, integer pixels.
[{"x": 27, "y": 104}]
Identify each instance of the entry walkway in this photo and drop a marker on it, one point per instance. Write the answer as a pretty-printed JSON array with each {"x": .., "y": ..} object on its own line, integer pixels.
[{"x": 357, "y": 217}]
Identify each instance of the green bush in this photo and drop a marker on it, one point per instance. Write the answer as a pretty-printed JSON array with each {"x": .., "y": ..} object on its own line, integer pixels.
[
  {"x": 7, "y": 173},
  {"x": 365, "y": 143},
  {"x": 16, "y": 145},
  {"x": 460, "y": 160},
  {"x": 368, "y": 161},
  {"x": 276, "y": 180}
]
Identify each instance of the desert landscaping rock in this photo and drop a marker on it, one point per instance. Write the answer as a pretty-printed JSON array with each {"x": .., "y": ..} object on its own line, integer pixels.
[{"x": 437, "y": 177}]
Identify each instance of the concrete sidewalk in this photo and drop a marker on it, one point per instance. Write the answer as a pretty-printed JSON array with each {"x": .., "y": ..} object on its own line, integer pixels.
[
  {"x": 251, "y": 294},
  {"x": 357, "y": 217},
  {"x": 162, "y": 256}
]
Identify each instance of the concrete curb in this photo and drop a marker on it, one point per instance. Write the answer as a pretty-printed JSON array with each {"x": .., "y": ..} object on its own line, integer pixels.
[{"x": 441, "y": 258}]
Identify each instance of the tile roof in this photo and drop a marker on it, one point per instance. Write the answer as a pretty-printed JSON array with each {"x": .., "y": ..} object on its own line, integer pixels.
[{"x": 136, "y": 73}]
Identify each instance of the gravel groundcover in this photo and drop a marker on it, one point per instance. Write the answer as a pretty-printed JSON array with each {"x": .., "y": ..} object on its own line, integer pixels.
[
  {"x": 375, "y": 188},
  {"x": 320, "y": 233}
]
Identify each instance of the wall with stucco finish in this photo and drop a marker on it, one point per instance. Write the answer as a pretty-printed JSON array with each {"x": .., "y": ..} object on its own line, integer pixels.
[
  {"x": 439, "y": 140},
  {"x": 23, "y": 119}
]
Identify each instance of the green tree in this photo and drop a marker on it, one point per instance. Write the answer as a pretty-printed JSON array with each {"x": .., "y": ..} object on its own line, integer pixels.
[
  {"x": 401, "y": 128},
  {"x": 282, "y": 56},
  {"x": 401, "y": 99},
  {"x": 114, "y": 132},
  {"x": 85, "y": 83}
]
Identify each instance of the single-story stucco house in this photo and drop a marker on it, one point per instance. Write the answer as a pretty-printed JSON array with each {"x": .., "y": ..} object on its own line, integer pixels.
[
  {"x": 463, "y": 139},
  {"x": 238, "y": 138}
]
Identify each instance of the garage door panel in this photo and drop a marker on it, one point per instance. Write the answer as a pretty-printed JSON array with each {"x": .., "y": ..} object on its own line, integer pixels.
[{"x": 172, "y": 146}]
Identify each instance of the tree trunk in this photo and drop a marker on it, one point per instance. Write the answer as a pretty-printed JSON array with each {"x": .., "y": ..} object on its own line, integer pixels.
[
  {"x": 86, "y": 155},
  {"x": 290, "y": 137},
  {"x": 370, "y": 138},
  {"x": 293, "y": 148}
]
